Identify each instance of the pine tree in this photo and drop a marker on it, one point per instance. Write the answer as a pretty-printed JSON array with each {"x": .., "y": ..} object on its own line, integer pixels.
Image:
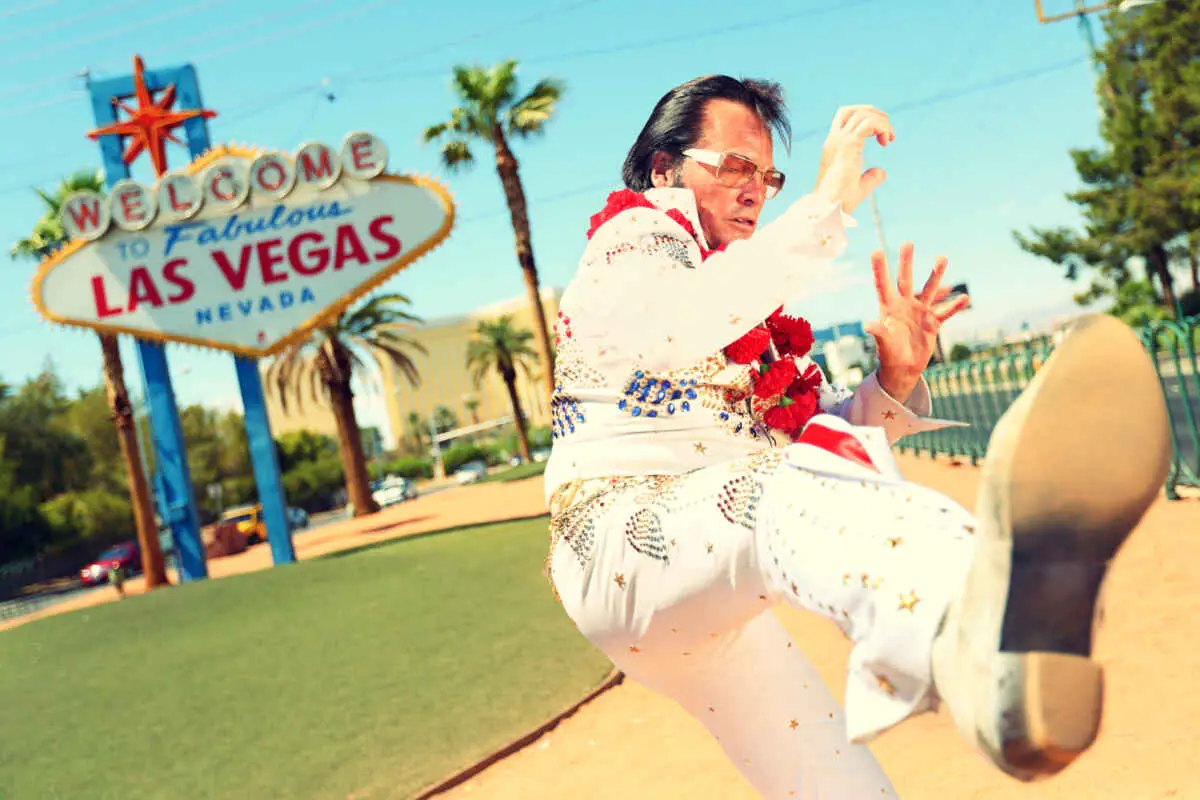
[{"x": 1141, "y": 191}]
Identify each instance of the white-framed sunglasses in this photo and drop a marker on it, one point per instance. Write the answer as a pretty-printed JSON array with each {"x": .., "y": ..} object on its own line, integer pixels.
[{"x": 735, "y": 170}]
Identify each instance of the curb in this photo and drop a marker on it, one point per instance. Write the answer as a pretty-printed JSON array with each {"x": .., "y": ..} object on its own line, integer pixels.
[{"x": 614, "y": 679}]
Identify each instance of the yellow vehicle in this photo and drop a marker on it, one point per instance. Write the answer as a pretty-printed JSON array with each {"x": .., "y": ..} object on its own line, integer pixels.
[{"x": 249, "y": 520}]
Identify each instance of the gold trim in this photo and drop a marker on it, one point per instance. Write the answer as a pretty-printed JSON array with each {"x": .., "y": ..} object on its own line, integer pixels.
[{"x": 305, "y": 329}]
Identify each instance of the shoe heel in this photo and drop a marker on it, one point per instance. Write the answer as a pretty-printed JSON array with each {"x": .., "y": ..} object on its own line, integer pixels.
[{"x": 1063, "y": 704}]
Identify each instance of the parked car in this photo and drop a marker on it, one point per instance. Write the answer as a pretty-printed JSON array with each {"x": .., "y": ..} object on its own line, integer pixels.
[
  {"x": 249, "y": 520},
  {"x": 394, "y": 489},
  {"x": 470, "y": 472},
  {"x": 127, "y": 554}
]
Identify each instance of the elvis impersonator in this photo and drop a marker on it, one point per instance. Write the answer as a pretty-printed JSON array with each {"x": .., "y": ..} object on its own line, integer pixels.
[{"x": 703, "y": 471}]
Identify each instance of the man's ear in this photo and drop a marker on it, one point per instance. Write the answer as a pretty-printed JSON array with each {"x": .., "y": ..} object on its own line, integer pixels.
[{"x": 660, "y": 170}]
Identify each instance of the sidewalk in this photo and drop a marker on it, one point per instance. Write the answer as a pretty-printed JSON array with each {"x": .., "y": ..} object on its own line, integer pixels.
[{"x": 633, "y": 744}]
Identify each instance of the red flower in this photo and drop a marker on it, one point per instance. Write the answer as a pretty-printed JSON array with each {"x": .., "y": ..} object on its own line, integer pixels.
[
  {"x": 779, "y": 418},
  {"x": 775, "y": 381},
  {"x": 620, "y": 201},
  {"x": 792, "y": 335},
  {"x": 802, "y": 408},
  {"x": 809, "y": 381},
  {"x": 749, "y": 347}
]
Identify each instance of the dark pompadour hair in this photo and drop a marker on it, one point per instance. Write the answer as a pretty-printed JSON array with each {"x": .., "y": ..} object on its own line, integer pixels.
[{"x": 676, "y": 121}]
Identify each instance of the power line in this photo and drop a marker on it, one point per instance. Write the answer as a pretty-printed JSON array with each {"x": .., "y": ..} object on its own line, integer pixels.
[
  {"x": 62, "y": 23},
  {"x": 73, "y": 43},
  {"x": 297, "y": 28},
  {"x": 934, "y": 99},
  {"x": 12, "y": 12},
  {"x": 171, "y": 46}
]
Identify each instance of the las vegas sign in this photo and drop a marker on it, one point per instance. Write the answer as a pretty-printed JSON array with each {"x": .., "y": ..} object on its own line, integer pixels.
[{"x": 244, "y": 250}]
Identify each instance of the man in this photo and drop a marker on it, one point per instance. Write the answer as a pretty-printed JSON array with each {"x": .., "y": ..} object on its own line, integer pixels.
[
  {"x": 116, "y": 576},
  {"x": 702, "y": 472}
]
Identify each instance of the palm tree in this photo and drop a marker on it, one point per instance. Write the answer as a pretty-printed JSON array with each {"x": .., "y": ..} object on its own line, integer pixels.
[
  {"x": 416, "y": 430},
  {"x": 490, "y": 111},
  {"x": 501, "y": 347},
  {"x": 472, "y": 406},
  {"x": 48, "y": 236},
  {"x": 322, "y": 366}
]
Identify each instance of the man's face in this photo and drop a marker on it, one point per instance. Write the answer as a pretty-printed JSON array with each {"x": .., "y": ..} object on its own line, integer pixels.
[{"x": 727, "y": 213}]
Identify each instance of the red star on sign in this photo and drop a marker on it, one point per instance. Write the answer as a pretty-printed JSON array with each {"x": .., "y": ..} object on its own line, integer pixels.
[{"x": 149, "y": 124}]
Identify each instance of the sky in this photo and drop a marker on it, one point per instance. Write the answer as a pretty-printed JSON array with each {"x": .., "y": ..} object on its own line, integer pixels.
[{"x": 986, "y": 103}]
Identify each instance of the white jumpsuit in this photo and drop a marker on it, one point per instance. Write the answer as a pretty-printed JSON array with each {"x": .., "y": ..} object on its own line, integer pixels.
[{"x": 679, "y": 519}]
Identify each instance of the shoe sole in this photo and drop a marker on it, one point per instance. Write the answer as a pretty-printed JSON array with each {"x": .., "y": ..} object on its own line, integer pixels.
[{"x": 1071, "y": 480}]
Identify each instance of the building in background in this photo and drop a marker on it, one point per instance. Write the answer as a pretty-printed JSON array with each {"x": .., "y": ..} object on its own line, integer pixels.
[
  {"x": 445, "y": 380},
  {"x": 845, "y": 351}
]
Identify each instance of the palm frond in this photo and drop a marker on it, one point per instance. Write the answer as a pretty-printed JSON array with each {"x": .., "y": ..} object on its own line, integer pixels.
[
  {"x": 529, "y": 115},
  {"x": 456, "y": 155}
]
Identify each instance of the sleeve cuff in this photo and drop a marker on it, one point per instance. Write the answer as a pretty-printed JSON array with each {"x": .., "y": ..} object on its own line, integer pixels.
[{"x": 875, "y": 407}]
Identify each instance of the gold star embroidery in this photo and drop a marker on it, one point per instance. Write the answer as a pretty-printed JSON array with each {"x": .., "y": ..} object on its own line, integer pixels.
[
  {"x": 886, "y": 685},
  {"x": 889, "y": 415},
  {"x": 908, "y": 602},
  {"x": 734, "y": 319},
  {"x": 866, "y": 581},
  {"x": 672, "y": 543},
  {"x": 700, "y": 448},
  {"x": 846, "y": 579},
  {"x": 619, "y": 580},
  {"x": 670, "y": 339},
  {"x": 895, "y": 542},
  {"x": 793, "y": 724},
  {"x": 878, "y": 582}
]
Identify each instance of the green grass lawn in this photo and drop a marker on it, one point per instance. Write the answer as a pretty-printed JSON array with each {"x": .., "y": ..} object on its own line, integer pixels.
[
  {"x": 367, "y": 674},
  {"x": 517, "y": 473}
]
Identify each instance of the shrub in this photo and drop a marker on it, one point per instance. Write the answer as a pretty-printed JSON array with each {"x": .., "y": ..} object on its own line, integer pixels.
[{"x": 93, "y": 515}]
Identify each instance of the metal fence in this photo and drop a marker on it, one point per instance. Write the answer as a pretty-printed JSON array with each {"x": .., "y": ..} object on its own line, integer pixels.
[{"x": 979, "y": 390}]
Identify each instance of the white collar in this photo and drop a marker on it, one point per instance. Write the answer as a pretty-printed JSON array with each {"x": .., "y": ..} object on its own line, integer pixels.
[{"x": 683, "y": 201}]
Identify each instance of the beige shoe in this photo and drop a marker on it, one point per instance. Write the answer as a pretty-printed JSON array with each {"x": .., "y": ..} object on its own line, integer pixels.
[{"x": 1071, "y": 468}]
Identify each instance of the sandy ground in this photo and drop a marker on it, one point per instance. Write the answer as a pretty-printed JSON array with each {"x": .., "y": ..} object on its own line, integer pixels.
[{"x": 633, "y": 744}]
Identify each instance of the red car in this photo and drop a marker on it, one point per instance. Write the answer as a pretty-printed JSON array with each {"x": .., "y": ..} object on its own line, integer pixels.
[{"x": 126, "y": 554}]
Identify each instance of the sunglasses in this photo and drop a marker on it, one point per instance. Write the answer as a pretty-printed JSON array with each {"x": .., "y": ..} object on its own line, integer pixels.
[{"x": 736, "y": 171}]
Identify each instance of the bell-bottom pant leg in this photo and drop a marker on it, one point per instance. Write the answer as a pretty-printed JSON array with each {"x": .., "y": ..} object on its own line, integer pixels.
[{"x": 671, "y": 576}]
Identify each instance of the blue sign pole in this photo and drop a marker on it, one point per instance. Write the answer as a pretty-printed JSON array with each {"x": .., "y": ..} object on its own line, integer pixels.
[
  {"x": 265, "y": 460},
  {"x": 174, "y": 478}
]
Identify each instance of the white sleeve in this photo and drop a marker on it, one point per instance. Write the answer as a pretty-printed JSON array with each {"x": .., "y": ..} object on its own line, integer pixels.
[
  {"x": 870, "y": 405},
  {"x": 652, "y": 301}
]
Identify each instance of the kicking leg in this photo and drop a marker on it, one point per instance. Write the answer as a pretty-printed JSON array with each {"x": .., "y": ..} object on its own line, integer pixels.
[
  {"x": 766, "y": 705},
  {"x": 1071, "y": 469}
]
